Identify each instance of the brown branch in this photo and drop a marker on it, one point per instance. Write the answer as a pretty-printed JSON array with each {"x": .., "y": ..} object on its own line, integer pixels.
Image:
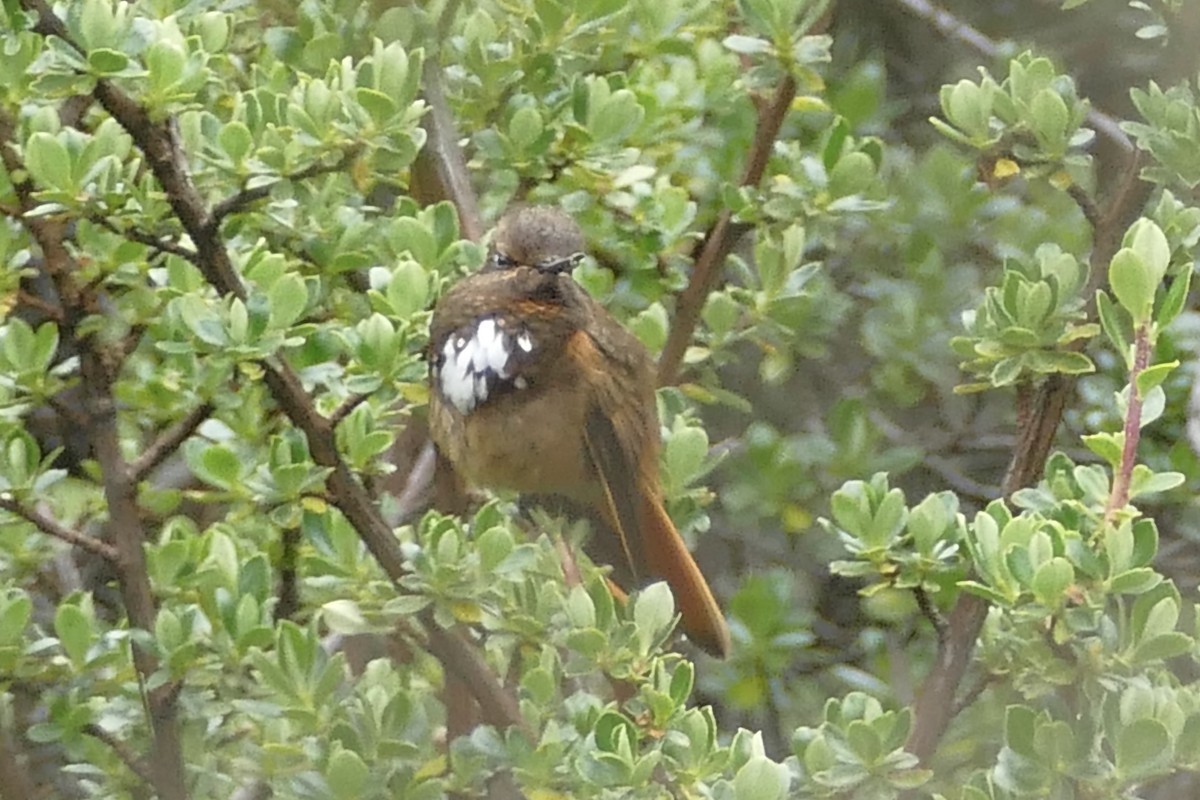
[
  {"x": 1039, "y": 414},
  {"x": 15, "y": 780},
  {"x": 98, "y": 373},
  {"x": 246, "y": 197},
  {"x": 440, "y": 171},
  {"x": 959, "y": 31},
  {"x": 122, "y": 751},
  {"x": 52, "y": 527},
  {"x": 159, "y": 144},
  {"x": 169, "y": 441},
  {"x": 931, "y": 613},
  {"x": 721, "y": 237},
  {"x": 346, "y": 408},
  {"x": 141, "y": 237},
  {"x": 1086, "y": 204},
  {"x": 1119, "y": 497},
  {"x": 126, "y": 530}
]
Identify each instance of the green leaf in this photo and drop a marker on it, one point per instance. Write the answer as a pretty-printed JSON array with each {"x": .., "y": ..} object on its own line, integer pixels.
[
  {"x": 378, "y": 105},
  {"x": 1151, "y": 377},
  {"x": 651, "y": 326},
  {"x": 1051, "y": 581},
  {"x": 1115, "y": 325},
  {"x": 103, "y": 61},
  {"x": 1146, "y": 481},
  {"x": 653, "y": 613},
  {"x": 288, "y": 298},
  {"x": 408, "y": 289},
  {"x": 1106, "y": 445},
  {"x": 236, "y": 140},
  {"x": 1020, "y": 724},
  {"x": 1132, "y": 283},
  {"x": 221, "y": 466},
  {"x": 760, "y": 778},
  {"x": 1175, "y": 299},
  {"x": 1162, "y": 647},
  {"x": 746, "y": 45},
  {"x": 1142, "y": 748},
  {"x": 74, "y": 631},
  {"x": 1050, "y": 117},
  {"x": 1146, "y": 239},
  {"x": 15, "y": 612},
  {"x": 1134, "y": 581},
  {"x": 525, "y": 128},
  {"x": 345, "y": 617},
  {"x": 684, "y": 453},
  {"x": 48, "y": 162},
  {"x": 854, "y": 173},
  {"x": 346, "y": 775}
]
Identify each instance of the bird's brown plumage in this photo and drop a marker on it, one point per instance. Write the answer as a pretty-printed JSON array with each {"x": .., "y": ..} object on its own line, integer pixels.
[{"x": 573, "y": 418}]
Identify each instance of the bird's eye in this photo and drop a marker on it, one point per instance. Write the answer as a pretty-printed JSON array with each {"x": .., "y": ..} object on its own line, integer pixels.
[{"x": 502, "y": 261}]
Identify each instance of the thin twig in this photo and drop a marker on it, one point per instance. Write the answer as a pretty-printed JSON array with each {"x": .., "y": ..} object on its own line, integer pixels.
[
  {"x": 52, "y": 312},
  {"x": 971, "y": 695},
  {"x": 721, "y": 237},
  {"x": 932, "y": 613},
  {"x": 169, "y": 441},
  {"x": 346, "y": 408},
  {"x": 122, "y": 751},
  {"x": 1119, "y": 497},
  {"x": 1086, "y": 204},
  {"x": 247, "y": 197},
  {"x": 148, "y": 239},
  {"x": 52, "y": 527}
]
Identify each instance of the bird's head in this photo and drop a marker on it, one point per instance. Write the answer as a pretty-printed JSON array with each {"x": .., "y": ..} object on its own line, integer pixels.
[{"x": 540, "y": 237}]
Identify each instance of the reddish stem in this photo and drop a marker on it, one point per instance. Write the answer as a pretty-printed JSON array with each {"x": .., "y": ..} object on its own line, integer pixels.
[{"x": 1119, "y": 497}]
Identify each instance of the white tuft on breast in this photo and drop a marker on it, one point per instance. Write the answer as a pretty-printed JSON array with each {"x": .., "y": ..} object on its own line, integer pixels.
[{"x": 475, "y": 362}]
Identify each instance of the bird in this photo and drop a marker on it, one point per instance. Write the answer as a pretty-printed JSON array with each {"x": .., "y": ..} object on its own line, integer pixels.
[{"x": 537, "y": 389}]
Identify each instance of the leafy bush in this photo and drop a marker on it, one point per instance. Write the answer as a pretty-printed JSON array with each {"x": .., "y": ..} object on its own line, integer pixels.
[{"x": 220, "y": 572}]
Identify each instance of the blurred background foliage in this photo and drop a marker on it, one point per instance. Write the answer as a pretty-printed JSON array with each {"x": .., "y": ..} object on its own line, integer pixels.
[{"x": 824, "y": 357}]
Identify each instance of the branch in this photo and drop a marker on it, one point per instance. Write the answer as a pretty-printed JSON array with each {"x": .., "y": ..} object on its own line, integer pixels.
[
  {"x": 141, "y": 237},
  {"x": 931, "y": 613},
  {"x": 959, "y": 31},
  {"x": 440, "y": 171},
  {"x": 15, "y": 781},
  {"x": 169, "y": 441},
  {"x": 247, "y": 197},
  {"x": 52, "y": 527},
  {"x": 1119, "y": 497},
  {"x": 122, "y": 751},
  {"x": 346, "y": 408},
  {"x": 721, "y": 237}
]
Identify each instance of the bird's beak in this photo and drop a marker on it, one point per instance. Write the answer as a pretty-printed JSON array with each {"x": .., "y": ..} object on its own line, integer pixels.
[{"x": 560, "y": 265}]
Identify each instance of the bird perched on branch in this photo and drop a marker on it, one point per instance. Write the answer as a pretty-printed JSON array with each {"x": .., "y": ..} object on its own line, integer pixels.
[{"x": 539, "y": 390}]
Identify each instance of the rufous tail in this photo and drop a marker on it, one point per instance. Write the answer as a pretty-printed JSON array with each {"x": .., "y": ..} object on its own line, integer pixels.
[{"x": 668, "y": 558}]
